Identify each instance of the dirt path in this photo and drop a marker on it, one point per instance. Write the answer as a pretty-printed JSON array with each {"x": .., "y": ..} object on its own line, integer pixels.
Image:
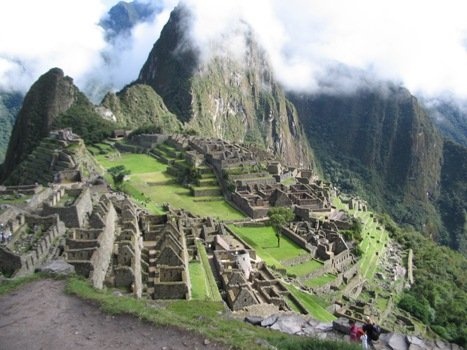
[{"x": 40, "y": 316}]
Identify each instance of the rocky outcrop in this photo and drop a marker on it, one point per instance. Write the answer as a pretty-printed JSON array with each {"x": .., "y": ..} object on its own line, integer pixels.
[{"x": 233, "y": 97}]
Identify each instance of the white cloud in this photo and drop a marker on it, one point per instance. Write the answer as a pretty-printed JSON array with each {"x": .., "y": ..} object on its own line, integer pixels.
[
  {"x": 39, "y": 35},
  {"x": 420, "y": 43}
]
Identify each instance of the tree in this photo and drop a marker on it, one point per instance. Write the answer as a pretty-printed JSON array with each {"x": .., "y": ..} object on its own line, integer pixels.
[
  {"x": 118, "y": 174},
  {"x": 279, "y": 217}
]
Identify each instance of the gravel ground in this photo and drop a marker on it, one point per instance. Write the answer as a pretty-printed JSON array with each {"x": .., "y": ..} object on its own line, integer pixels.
[{"x": 40, "y": 315}]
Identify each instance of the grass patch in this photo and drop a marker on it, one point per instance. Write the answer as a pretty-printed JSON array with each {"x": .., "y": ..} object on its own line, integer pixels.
[
  {"x": 211, "y": 286},
  {"x": 198, "y": 281},
  {"x": 373, "y": 243},
  {"x": 312, "y": 304},
  {"x": 203, "y": 317},
  {"x": 320, "y": 281},
  {"x": 8, "y": 285},
  {"x": 305, "y": 268},
  {"x": 264, "y": 241},
  {"x": 136, "y": 163},
  {"x": 147, "y": 171}
]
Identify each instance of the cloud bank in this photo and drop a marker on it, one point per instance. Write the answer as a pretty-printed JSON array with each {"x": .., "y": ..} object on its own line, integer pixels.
[
  {"x": 311, "y": 44},
  {"x": 420, "y": 44},
  {"x": 39, "y": 35}
]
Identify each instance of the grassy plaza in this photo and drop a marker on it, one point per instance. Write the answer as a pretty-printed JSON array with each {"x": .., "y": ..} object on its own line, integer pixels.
[{"x": 149, "y": 183}]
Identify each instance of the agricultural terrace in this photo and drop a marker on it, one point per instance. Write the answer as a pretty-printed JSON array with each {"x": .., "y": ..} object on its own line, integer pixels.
[
  {"x": 374, "y": 240},
  {"x": 315, "y": 306},
  {"x": 149, "y": 183}
]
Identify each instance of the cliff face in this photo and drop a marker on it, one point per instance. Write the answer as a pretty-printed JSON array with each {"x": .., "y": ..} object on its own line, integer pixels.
[
  {"x": 234, "y": 97},
  {"x": 381, "y": 142},
  {"x": 452, "y": 201},
  {"x": 10, "y": 103},
  {"x": 50, "y": 95}
]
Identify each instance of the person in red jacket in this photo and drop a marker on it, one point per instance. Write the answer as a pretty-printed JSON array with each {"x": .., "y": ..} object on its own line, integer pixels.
[{"x": 355, "y": 331}]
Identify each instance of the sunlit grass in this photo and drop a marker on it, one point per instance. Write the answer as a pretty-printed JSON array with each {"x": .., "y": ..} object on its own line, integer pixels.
[
  {"x": 312, "y": 304},
  {"x": 264, "y": 241},
  {"x": 304, "y": 268},
  {"x": 149, "y": 184},
  {"x": 198, "y": 281},
  {"x": 320, "y": 280}
]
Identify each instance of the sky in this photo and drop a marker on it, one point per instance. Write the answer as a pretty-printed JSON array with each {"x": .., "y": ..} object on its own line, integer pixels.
[{"x": 421, "y": 45}]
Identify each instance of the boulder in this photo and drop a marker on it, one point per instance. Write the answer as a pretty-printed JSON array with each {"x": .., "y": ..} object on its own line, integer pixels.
[
  {"x": 269, "y": 321},
  {"x": 324, "y": 327},
  {"x": 415, "y": 342},
  {"x": 341, "y": 325},
  {"x": 58, "y": 267},
  {"x": 289, "y": 324},
  {"x": 398, "y": 342},
  {"x": 254, "y": 320}
]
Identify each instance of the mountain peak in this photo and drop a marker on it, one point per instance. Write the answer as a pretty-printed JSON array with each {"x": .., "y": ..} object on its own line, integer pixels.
[{"x": 52, "y": 94}]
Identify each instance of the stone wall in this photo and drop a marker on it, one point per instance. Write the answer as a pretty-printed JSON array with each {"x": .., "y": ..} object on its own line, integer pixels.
[
  {"x": 205, "y": 192},
  {"x": 171, "y": 290},
  {"x": 75, "y": 214},
  {"x": 91, "y": 258},
  {"x": 23, "y": 189},
  {"x": 297, "y": 239},
  {"x": 9, "y": 262},
  {"x": 148, "y": 141},
  {"x": 12, "y": 263}
]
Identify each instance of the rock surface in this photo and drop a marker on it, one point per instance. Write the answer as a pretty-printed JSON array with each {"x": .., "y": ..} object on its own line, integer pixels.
[{"x": 58, "y": 267}]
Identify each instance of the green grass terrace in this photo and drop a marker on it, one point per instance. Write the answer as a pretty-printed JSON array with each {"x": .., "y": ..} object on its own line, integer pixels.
[
  {"x": 374, "y": 239},
  {"x": 263, "y": 240},
  {"x": 149, "y": 183}
]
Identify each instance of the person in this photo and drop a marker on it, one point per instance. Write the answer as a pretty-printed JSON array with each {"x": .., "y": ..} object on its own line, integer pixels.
[
  {"x": 372, "y": 331},
  {"x": 355, "y": 331}
]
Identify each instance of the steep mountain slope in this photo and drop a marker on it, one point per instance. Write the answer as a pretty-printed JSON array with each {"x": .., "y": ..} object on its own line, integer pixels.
[
  {"x": 231, "y": 96},
  {"x": 139, "y": 105},
  {"x": 10, "y": 103},
  {"x": 50, "y": 95},
  {"x": 452, "y": 202},
  {"x": 382, "y": 144}
]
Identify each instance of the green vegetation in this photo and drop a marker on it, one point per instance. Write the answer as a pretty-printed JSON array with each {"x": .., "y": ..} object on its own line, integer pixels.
[
  {"x": 150, "y": 184},
  {"x": 198, "y": 281},
  {"x": 264, "y": 241},
  {"x": 312, "y": 303},
  {"x": 439, "y": 294},
  {"x": 10, "y": 103},
  {"x": 320, "y": 281},
  {"x": 84, "y": 121},
  {"x": 304, "y": 268},
  {"x": 212, "y": 292},
  {"x": 452, "y": 202},
  {"x": 118, "y": 174},
  {"x": 203, "y": 317},
  {"x": 8, "y": 285},
  {"x": 279, "y": 217}
]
